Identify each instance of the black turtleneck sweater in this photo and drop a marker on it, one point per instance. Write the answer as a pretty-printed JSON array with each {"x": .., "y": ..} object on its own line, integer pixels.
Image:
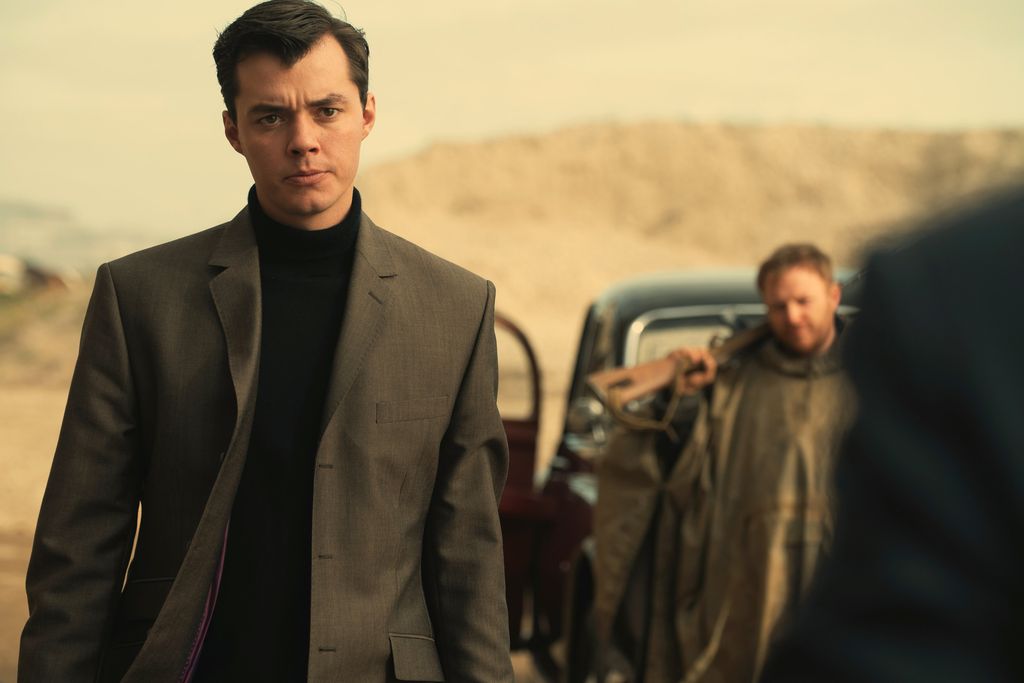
[{"x": 260, "y": 626}]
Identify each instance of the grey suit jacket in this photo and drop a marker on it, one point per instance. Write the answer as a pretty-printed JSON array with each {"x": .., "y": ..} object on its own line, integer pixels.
[{"x": 407, "y": 578}]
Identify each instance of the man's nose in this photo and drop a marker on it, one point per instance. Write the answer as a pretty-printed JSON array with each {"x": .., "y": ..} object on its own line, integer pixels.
[
  {"x": 792, "y": 314},
  {"x": 304, "y": 139}
]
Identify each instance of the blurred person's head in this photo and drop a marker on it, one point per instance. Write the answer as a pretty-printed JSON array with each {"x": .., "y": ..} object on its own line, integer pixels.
[
  {"x": 797, "y": 287},
  {"x": 295, "y": 84}
]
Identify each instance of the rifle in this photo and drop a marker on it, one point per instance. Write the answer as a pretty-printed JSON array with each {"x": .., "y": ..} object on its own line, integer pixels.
[{"x": 618, "y": 386}]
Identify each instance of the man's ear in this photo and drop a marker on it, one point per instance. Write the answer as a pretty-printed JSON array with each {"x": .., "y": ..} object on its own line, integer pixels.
[
  {"x": 369, "y": 114},
  {"x": 231, "y": 132},
  {"x": 835, "y": 294}
]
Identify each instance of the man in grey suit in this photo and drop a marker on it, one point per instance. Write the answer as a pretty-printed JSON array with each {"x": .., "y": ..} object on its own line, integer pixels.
[{"x": 302, "y": 404}]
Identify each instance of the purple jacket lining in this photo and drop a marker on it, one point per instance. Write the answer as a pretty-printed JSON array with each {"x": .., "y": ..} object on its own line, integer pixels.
[{"x": 204, "y": 622}]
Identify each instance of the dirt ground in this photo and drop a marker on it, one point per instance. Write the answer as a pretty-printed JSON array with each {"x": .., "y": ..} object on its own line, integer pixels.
[{"x": 31, "y": 420}]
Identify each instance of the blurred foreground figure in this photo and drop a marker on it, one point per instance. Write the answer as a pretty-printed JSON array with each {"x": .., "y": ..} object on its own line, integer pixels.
[
  {"x": 925, "y": 581},
  {"x": 704, "y": 549},
  {"x": 304, "y": 406}
]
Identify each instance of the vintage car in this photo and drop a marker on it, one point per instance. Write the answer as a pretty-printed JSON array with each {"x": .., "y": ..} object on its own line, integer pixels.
[{"x": 548, "y": 577}]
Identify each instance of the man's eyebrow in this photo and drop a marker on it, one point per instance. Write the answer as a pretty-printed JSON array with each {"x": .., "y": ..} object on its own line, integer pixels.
[
  {"x": 266, "y": 108},
  {"x": 333, "y": 98}
]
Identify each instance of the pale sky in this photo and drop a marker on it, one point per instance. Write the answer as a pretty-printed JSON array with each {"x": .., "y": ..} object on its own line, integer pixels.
[{"x": 111, "y": 109}]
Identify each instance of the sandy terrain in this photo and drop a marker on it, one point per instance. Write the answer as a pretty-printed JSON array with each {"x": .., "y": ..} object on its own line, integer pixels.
[{"x": 552, "y": 220}]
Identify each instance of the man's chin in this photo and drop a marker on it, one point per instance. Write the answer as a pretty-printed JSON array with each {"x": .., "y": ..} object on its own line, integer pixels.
[
  {"x": 304, "y": 213},
  {"x": 308, "y": 210},
  {"x": 806, "y": 348},
  {"x": 306, "y": 203},
  {"x": 307, "y": 207},
  {"x": 800, "y": 347}
]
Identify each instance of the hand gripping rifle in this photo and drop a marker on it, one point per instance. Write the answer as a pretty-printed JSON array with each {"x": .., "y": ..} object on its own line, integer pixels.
[{"x": 618, "y": 386}]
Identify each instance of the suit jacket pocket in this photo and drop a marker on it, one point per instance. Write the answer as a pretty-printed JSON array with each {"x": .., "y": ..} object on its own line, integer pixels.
[
  {"x": 415, "y": 658},
  {"x": 416, "y": 409}
]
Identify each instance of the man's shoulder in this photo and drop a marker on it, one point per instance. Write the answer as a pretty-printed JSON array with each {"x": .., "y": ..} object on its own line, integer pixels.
[
  {"x": 743, "y": 360},
  {"x": 968, "y": 249},
  {"x": 194, "y": 249},
  {"x": 959, "y": 276},
  {"x": 418, "y": 263},
  {"x": 772, "y": 372}
]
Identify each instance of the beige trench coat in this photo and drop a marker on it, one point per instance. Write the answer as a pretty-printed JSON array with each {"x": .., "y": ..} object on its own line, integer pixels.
[{"x": 741, "y": 518}]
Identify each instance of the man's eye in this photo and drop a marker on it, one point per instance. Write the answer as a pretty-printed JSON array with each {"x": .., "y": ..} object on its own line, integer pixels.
[
  {"x": 269, "y": 119},
  {"x": 329, "y": 112}
]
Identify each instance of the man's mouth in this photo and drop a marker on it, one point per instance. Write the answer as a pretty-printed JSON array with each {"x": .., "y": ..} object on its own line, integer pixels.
[{"x": 305, "y": 178}]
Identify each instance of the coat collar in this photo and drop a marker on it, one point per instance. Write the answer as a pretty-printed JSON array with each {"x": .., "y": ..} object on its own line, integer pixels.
[
  {"x": 236, "y": 293},
  {"x": 774, "y": 356},
  {"x": 235, "y": 289},
  {"x": 372, "y": 247},
  {"x": 237, "y": 244},
  {"x": 373, "y": 272}
]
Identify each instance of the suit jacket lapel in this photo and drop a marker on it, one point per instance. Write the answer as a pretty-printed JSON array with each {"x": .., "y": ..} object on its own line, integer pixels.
[
  {"x": 236, "y": 294},
  {"x": 372, "y": 271}
]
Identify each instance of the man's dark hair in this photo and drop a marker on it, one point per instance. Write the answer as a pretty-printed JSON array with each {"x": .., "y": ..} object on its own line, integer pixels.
[
  {"x": 286, "y": 29},
  {"x": 790, "y": 255}
]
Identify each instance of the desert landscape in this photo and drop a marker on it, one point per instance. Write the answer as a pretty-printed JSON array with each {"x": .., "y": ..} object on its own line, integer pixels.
[{"x": 553, "y": 219}]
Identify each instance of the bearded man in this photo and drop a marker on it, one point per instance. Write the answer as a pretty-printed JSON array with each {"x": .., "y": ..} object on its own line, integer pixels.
[
  {"x": 923, "y": 583},
  {"x": 737, "y": 518}
]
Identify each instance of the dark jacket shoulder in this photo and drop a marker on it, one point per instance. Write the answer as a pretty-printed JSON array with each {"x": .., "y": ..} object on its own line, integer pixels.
[
  {"x": 424, "y": 262},
  {"x": 426, "y": 278},
  {"x": 187, "y": 250}
]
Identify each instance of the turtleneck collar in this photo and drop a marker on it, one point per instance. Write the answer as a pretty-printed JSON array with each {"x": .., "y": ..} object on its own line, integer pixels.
[{"x": 279, "y": 243}]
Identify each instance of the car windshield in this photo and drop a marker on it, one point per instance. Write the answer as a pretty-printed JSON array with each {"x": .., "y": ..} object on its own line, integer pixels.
[
  {"x": 657, "y": 342},
  {"x": 653, "y": 336}
]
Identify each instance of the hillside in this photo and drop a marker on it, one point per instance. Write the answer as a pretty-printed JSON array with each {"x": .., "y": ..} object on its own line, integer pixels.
[{"x": 729, "y": 193}]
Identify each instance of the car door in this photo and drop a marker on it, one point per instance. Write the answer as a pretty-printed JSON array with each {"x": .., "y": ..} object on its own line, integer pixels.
[{"x": 522, "y": 510}]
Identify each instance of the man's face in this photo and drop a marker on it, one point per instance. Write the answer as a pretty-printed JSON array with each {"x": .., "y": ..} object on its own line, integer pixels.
[
  {"x": 801, "y": 309},
  {"x": 300, "y": 129}
]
